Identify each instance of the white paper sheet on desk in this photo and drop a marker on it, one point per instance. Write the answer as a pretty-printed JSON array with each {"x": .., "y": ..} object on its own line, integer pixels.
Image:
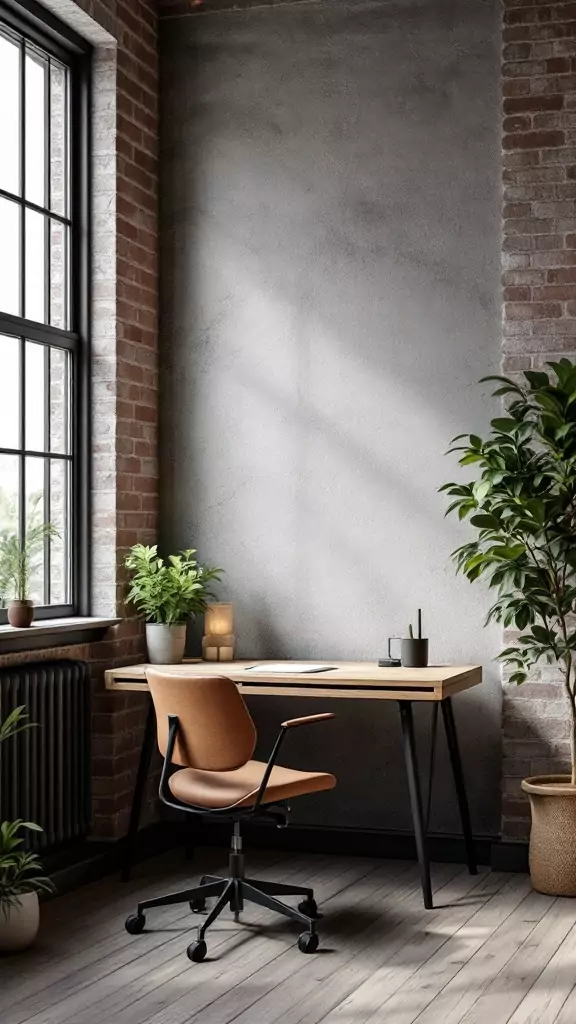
[{"x": 298, "y": 668}]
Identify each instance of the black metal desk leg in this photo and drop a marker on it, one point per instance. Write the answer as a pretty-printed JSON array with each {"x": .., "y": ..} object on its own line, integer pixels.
[
  {"x": 433, "y": 738},
  {"x": 139, "y": 788},
  {"x": 454, "y": 751},
  {"x": 407, "y": 720}
]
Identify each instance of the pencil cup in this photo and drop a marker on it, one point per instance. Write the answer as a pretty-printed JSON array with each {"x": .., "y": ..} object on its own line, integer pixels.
[{"x": 414, "y": 653}]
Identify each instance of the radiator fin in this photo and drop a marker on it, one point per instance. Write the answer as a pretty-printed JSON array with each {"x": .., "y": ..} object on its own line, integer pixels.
[{"x": 45, "y": 772}]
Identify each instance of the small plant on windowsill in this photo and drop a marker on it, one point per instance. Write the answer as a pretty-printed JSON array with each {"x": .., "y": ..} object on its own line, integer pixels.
[
  {"x": 21, "y": 878},
  {"x": 167, "y": 592},
  {"x": 19, "y": 563},
  {"x": 522, "y": 507}
]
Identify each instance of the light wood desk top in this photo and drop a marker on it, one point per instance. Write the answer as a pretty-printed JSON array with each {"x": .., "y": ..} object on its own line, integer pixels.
[{"x": 348, "y": 679}]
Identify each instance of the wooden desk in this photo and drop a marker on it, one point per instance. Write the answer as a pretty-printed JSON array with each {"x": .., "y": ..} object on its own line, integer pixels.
[
  {"x": 435, "y": 685},
  {"x": 364, "y": 678}
]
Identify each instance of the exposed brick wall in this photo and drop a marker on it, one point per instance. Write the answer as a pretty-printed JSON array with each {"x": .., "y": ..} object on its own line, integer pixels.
[
  {"x": 539, "y": 311},
  {"x": 124, "y": 339}
]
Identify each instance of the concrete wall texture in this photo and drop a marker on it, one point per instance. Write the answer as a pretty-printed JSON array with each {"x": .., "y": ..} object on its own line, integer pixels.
[{"x": 330, "y": 210}]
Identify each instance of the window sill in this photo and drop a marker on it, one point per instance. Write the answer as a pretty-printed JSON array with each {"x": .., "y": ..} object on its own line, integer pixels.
[{"x": 54, "y": 633}]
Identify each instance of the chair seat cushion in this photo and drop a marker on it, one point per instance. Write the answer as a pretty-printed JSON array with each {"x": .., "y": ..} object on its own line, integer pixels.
[{"x": 239, "y": 787}]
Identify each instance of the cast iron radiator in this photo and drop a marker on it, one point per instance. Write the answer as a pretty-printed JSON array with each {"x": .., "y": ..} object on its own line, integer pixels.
[{"x": 45, "y": 771}]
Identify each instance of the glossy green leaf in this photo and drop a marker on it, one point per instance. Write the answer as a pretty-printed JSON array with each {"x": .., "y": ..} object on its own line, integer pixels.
[
  {"x": 537, "y": 378},
  {"x": 504, "y": 424},
  {"x": 518, "y": 677},
  {"x": 482, "y": 489},
  {"x": 485, "y": 521},
  {"x": 467, "y": 460}
]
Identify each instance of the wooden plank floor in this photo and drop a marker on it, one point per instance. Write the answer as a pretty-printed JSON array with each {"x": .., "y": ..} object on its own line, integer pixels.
[{"x": 491, "y": 952}]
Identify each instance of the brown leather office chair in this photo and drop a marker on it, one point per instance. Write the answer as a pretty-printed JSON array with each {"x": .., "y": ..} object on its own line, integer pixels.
[{"x": 205, "y": 728}]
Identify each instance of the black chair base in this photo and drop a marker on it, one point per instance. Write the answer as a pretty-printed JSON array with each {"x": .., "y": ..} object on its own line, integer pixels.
[{"x": 235, "y": 891}]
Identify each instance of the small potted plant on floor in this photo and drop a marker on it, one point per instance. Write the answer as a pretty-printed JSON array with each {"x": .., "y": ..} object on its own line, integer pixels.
[
  {"x": 19, "y": 564},
  {"x": 21, "y": 877},
  {"x": 167, "y": 592},
  {"x": 522, "y": 506}
]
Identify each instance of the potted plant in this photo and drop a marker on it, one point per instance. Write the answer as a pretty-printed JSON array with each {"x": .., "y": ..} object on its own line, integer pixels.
[
  {"x": 167, "y": 592},
  {"x": 19, "y": 563},
  {"x": 21, "y": 876},
  {"x": 523, "y": 508}
]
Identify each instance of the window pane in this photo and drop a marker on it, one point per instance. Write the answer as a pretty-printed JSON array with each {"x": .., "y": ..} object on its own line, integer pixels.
[
  {"x": 36, "y": 68},
  {"x": 58, "y": 275},
  {"x": 47, "y": 399},
  {"x": 9, "y": 392},
  {"x": 35, "y": 486},
  {"x": 36, "y": 396},
  {"x": 59, "y": 543},
  {"x": 36, "y": 283},
  {"x": 9, "y": 476},
  {"x": 36, "y": 225},
  {"x": 10, "y": 115},
  {"x": 47, "y": 499},
  {"x": 9, "y": 257},
  {"x": 58, "y": 140},
  {"x": 59, "y": 401}
]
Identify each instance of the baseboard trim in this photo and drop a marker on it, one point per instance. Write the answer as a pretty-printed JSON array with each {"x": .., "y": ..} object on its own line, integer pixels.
[
  {"x": 447, "y": 849},
  {"x": 92, "y": 860},
  {"x": 509, "y": 856}
]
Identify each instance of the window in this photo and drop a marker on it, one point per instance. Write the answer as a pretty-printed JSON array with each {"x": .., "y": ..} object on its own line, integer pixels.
[{"x": 43, "y": 300}]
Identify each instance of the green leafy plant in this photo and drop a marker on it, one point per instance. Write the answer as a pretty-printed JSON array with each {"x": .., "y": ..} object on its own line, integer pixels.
[
  {"x": 168, "y": 590},
  {"x": 16, "y": 722},
  {"x": 20, "y": 871},
  {"x": 523, "y": 508},
  {"x": 20, "y": 562}
]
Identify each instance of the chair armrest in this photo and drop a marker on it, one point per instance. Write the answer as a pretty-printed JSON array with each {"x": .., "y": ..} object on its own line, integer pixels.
[
  {"x": 289, "y": 724},
  {"x": 307, "y": 720}
]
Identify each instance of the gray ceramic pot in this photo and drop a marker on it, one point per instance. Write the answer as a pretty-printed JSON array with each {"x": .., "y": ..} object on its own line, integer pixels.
[
  {"x": 165, "y": 643},
  {"x": 414, "y": 653},
  {"x": 19, "y": 924}
]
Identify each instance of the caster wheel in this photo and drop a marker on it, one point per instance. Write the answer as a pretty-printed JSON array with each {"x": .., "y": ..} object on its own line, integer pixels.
[
  {"x": 308, "y": 942},
  {"x": 135, "y": 924},
  {"x": 197, "y": 951},
  {"x": 308, "y": 907},
  {"x": 198, "y": 906}
]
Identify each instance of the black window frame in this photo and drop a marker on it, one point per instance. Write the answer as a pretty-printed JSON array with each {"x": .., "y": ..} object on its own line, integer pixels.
[{"x": 38, "y": 26}]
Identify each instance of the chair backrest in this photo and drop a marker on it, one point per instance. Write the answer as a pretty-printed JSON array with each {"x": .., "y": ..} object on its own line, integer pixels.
[{"x": 215, "y": 731}]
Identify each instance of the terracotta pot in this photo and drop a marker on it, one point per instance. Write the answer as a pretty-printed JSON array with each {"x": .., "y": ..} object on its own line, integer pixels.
[
  {"x": 553, "y": 835},
  {"x": 20, "y": 614},
  {"x": 19, "y": 925}
]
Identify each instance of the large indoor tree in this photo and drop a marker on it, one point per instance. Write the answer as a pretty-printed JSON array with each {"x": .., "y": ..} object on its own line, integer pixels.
[{"x": 522, "y": 506}]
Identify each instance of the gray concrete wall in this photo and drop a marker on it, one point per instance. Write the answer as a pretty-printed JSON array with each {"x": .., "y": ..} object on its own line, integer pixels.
[{"x": 330, "y": 264}]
